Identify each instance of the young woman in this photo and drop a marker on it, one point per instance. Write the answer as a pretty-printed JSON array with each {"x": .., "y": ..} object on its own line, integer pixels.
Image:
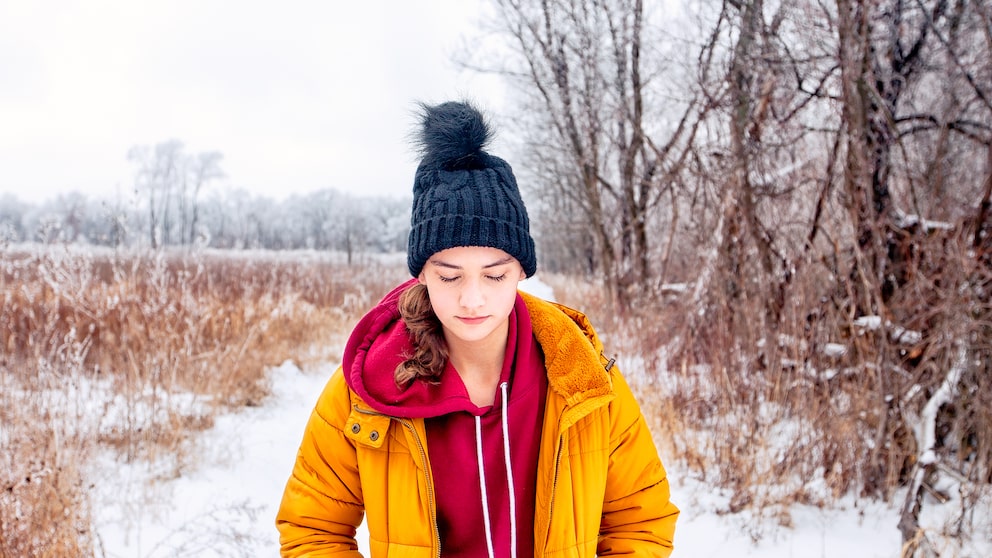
[{"x": 467, "y": 418}]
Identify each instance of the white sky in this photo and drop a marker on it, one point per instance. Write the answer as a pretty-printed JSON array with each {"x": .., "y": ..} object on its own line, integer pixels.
[{"x": 298, "y": 95}]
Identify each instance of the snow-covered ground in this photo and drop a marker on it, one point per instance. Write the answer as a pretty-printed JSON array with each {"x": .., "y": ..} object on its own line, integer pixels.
[{"x": 227, "y": 505}]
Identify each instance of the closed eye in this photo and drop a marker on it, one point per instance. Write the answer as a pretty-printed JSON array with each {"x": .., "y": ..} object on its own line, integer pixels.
[{"x": 496, "y": 278}]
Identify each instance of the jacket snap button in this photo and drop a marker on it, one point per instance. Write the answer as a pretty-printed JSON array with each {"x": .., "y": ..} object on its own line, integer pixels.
[
  {"x": 355, "y": 428},
  {"x": 374, "y": 436}
]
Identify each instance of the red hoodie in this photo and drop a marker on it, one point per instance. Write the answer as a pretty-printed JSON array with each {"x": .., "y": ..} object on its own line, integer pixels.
[{"x": 458, "y": 431}]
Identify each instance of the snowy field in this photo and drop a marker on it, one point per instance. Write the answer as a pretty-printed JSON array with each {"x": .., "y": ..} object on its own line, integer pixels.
[{"x": 227, "y": 505}]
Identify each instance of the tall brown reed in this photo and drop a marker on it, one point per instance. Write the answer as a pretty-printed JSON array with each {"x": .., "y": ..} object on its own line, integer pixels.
[{"x": 134, "y": 353}]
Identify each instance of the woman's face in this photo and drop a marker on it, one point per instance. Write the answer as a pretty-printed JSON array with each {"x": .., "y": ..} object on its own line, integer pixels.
[{"x": 472, "y": 290}]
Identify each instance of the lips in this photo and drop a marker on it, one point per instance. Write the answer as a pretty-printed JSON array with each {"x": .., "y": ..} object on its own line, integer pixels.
[{"x": 472, "y": 321}]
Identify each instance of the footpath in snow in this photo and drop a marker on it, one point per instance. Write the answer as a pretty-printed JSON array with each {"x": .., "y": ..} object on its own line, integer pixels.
[{"x": 226, "y": 507}]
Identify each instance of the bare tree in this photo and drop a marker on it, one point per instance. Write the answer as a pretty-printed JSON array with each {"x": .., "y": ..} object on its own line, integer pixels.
[
  {"x": 158, "y": 174},
  {"x": 204, "y": 168},
  {"x": 831, "y": 168},
  {"x": 584, "y": 71},
  {"x": 172, "y": 182},
  {"x": 916, "y": 112}
]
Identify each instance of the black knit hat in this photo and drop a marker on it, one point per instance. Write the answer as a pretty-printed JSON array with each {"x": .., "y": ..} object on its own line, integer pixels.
[{"x": 463, "y": 196}]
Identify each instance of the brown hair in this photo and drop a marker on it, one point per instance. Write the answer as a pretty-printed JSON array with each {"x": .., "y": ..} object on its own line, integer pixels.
[{"x": 430, "y": 352}]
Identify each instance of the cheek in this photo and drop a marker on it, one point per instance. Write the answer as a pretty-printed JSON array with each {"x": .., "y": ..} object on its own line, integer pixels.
[
  {"x": 440, "y": 297},
  {"x": 508, "y": 298}
]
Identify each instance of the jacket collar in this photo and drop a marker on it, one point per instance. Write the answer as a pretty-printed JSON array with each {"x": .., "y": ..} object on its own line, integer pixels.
[{"x": 573, "y": 353}]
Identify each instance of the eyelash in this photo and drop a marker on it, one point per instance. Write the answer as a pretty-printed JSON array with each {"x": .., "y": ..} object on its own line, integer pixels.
[{"x": 496, "y": 278}]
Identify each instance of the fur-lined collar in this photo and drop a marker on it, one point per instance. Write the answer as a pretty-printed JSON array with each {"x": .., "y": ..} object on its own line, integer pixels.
[{"x": 573, "y": 354}]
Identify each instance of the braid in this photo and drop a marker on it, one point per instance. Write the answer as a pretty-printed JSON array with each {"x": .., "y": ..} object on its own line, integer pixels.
[{"x": 430, "y": 353}]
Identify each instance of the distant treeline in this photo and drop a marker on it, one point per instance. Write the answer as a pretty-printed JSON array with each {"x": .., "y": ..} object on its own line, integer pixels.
[{"x": 172, "y": 205}]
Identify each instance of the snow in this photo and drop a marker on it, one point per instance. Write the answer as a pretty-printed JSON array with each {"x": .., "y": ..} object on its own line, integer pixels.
[
  {"x": 536, "y": 287},
  {"x": 226, "y": 506},
  {"x": 869, "y": 322},
  {"x": 864, "y": 531},
  {"x": 234, "y": 494},
  {"x": 906, "y": 336},
  {"x": 834, "y": 350},
  {"x": 897, "y": 333}
]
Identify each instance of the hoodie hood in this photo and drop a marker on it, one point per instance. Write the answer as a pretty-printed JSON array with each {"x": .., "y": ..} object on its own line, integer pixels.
[{"x": 380, "y": 342}]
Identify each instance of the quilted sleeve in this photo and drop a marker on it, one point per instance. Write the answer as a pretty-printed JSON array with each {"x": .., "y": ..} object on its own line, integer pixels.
[
  {"x": 638, "y": 514},
  {"x": 322, "y": 504}
]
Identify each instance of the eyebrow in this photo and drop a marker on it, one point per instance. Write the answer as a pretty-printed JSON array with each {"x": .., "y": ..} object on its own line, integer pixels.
[{"x": 441, "y": 263}]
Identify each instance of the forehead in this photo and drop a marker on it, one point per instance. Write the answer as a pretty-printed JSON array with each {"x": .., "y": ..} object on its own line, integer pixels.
[{"x": 471, "y": 256}]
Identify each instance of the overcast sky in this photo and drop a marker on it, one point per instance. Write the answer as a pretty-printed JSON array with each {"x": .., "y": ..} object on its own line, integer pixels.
[{"x": 298, "y": 95}]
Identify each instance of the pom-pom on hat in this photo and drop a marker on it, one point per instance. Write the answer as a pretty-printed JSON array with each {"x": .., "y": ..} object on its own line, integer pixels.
[{"x": 463, "y": 196}]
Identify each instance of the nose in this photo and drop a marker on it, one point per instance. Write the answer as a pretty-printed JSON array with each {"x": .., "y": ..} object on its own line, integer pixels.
[{"x": 471, "y": 295}]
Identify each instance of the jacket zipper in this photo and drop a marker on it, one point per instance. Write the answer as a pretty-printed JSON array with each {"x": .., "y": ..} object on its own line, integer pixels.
[
  {"x": 554, "y": 488},
  {"x": 427, "y": 477},
  {"x": 430, "y": 486}
]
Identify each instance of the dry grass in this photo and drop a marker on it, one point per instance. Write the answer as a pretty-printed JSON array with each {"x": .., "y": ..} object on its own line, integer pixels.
[
  {"x": 815, "y": 403},
  {"x": 819, "y": 401},
  {"x": 136, "y": 353}
]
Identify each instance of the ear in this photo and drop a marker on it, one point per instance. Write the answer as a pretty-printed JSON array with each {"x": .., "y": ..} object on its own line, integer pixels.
[
  {"x": 420, "y": 278},
  {"x": 522, "y": 274}
]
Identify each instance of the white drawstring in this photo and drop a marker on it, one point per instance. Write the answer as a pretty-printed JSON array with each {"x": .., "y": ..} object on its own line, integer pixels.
[
  {"x": 509, "y": 478},
  {"x": 509, "y": 473},
  {"x": 482, "y": 485}
]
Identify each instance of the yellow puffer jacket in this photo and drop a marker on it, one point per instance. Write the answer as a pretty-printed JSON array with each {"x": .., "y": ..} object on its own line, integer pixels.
[{"x": 601, "y": 488}]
